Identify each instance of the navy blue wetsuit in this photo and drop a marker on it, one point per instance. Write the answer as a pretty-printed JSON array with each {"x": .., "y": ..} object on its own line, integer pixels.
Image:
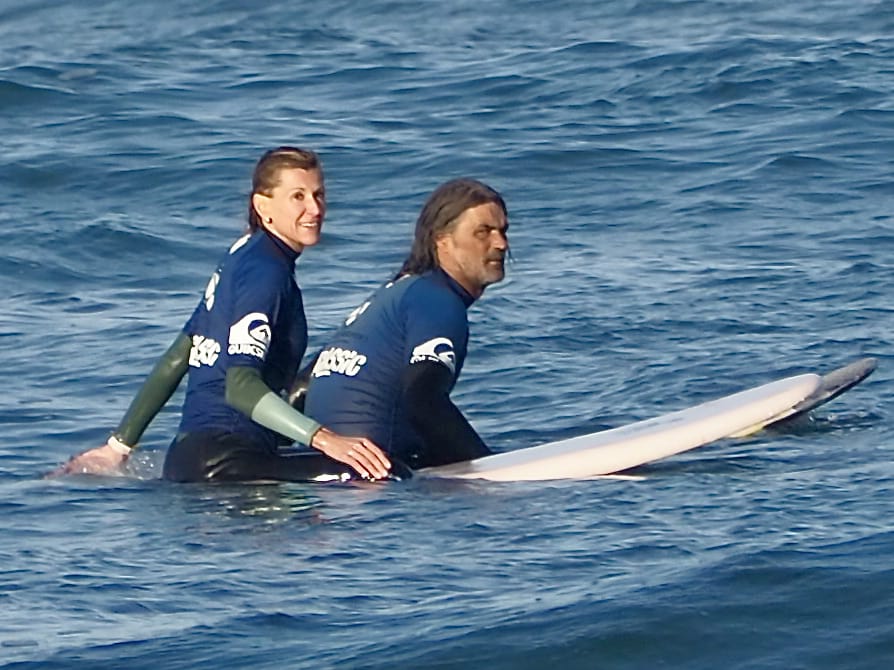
[
  {"x": 366, "y": 380},
  {"x": 252, "y": 314}
]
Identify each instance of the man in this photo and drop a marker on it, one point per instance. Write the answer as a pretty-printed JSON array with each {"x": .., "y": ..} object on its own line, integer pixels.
[{"x": 388, "y": 371}]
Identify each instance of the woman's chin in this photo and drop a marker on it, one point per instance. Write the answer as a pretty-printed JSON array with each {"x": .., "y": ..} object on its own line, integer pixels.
[{"x": 309, "y": 240}]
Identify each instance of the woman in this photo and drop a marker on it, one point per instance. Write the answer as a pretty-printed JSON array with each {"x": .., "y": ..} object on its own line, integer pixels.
[{"x": 242, "y": 347}]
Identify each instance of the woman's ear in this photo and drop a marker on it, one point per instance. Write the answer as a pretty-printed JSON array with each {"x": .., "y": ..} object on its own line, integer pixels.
[{"x": 259, "y": 201}]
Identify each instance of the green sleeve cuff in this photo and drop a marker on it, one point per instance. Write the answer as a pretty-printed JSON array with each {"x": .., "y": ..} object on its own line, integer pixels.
[{"x": 248, "y": 393}]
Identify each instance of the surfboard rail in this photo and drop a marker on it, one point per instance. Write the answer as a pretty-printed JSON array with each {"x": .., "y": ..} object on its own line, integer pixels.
[
  {"x": 618, "y": 449},
  {"x": 832, "y": 385}
]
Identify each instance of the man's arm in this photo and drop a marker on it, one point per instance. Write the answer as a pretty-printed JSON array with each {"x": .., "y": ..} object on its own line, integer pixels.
[{"x": 448, "y": 436}]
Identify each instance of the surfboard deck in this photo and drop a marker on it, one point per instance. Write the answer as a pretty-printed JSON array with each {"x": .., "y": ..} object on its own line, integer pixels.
[{"x": 615, "y": 450}]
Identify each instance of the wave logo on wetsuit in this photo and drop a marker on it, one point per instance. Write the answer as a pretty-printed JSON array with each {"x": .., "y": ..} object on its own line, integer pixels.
[
  {"x": 250, "y": 335},
  {"x": 439, "y": 349},
  {"x": 339, "y": 361}
]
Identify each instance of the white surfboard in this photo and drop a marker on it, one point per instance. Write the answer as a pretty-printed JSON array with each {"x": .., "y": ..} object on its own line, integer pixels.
[
  {"x": 833, "y": 384},
  {"x": 618, "y": 449}
]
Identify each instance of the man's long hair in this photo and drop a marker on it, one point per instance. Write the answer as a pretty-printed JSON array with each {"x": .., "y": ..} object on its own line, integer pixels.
[{"x": 439, "y": 214}]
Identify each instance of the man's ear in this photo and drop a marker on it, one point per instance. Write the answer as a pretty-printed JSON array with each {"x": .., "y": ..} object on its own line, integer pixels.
[
  {"x": 441, "y": 240},
  {"x": 440, "y": 248}
]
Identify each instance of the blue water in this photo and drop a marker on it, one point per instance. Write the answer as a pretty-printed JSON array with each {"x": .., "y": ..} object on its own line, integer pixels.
[{"x": 701, "y": 197}]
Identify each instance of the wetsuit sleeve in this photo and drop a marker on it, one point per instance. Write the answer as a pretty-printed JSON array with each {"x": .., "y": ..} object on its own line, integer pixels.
[
  {"x": 448, "y": 436},
  {"x": 155, "y": 392},
  {"x": 247, "y": 392}
]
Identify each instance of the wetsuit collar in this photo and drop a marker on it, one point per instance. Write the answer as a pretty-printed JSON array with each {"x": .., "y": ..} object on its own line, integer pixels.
[
  {"x": 287, "y": 251},
  {"x": 453, "y": 285}
]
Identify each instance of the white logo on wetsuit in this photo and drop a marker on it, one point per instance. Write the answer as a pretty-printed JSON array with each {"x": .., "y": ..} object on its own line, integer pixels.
[
  {"x": 250, "y": 335},
  {"x": 204, "y": 351},
  {"x": 340, "y": 361},
  {"x": 210, "y": 289},
  {"x": 238, "y": 244},
  {"x": 440, "y": 350},
  {"x": 352, "y": 317}
]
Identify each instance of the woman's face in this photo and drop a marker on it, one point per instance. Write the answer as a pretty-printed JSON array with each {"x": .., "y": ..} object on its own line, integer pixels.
[{"x": 295, "y": 208}]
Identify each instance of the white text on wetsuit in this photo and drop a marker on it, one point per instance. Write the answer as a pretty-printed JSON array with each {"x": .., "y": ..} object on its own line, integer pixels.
[
  {"x": 204, "y": 351},
  {"x": 340, "y": 361}
]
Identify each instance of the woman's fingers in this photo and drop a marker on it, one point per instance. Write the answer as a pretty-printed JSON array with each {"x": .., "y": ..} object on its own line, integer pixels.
[
  {"x": 368, "y": 460},
  {"x": 362, "y": 454},
  {"x": 99, "y": 461},
  {"x": 379, "y": 456}
]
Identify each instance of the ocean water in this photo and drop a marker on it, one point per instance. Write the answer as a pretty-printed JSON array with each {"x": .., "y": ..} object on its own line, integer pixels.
[{"x": 701, "y": 197}]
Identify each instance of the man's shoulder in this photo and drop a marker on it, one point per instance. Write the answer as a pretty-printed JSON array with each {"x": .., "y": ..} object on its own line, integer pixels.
[
  {"x": 428, "y": 295},
  {"x": 430, "y": 286}
]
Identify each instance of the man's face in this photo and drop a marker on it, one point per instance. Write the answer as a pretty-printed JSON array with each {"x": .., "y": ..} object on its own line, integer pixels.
[{"x": 473, "y": 252}]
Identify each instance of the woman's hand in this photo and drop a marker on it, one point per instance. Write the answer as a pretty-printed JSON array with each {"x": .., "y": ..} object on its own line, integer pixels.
[
  {"x": 109, "y": 459},
  {"x": 360, "y": 453}
]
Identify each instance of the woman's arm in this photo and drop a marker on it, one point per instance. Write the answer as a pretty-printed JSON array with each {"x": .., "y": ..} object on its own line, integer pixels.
[
  {"x": 247, "y": 392},
  {"x": 152, "y": 396},
  {"x": 155, "y": 392}
]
